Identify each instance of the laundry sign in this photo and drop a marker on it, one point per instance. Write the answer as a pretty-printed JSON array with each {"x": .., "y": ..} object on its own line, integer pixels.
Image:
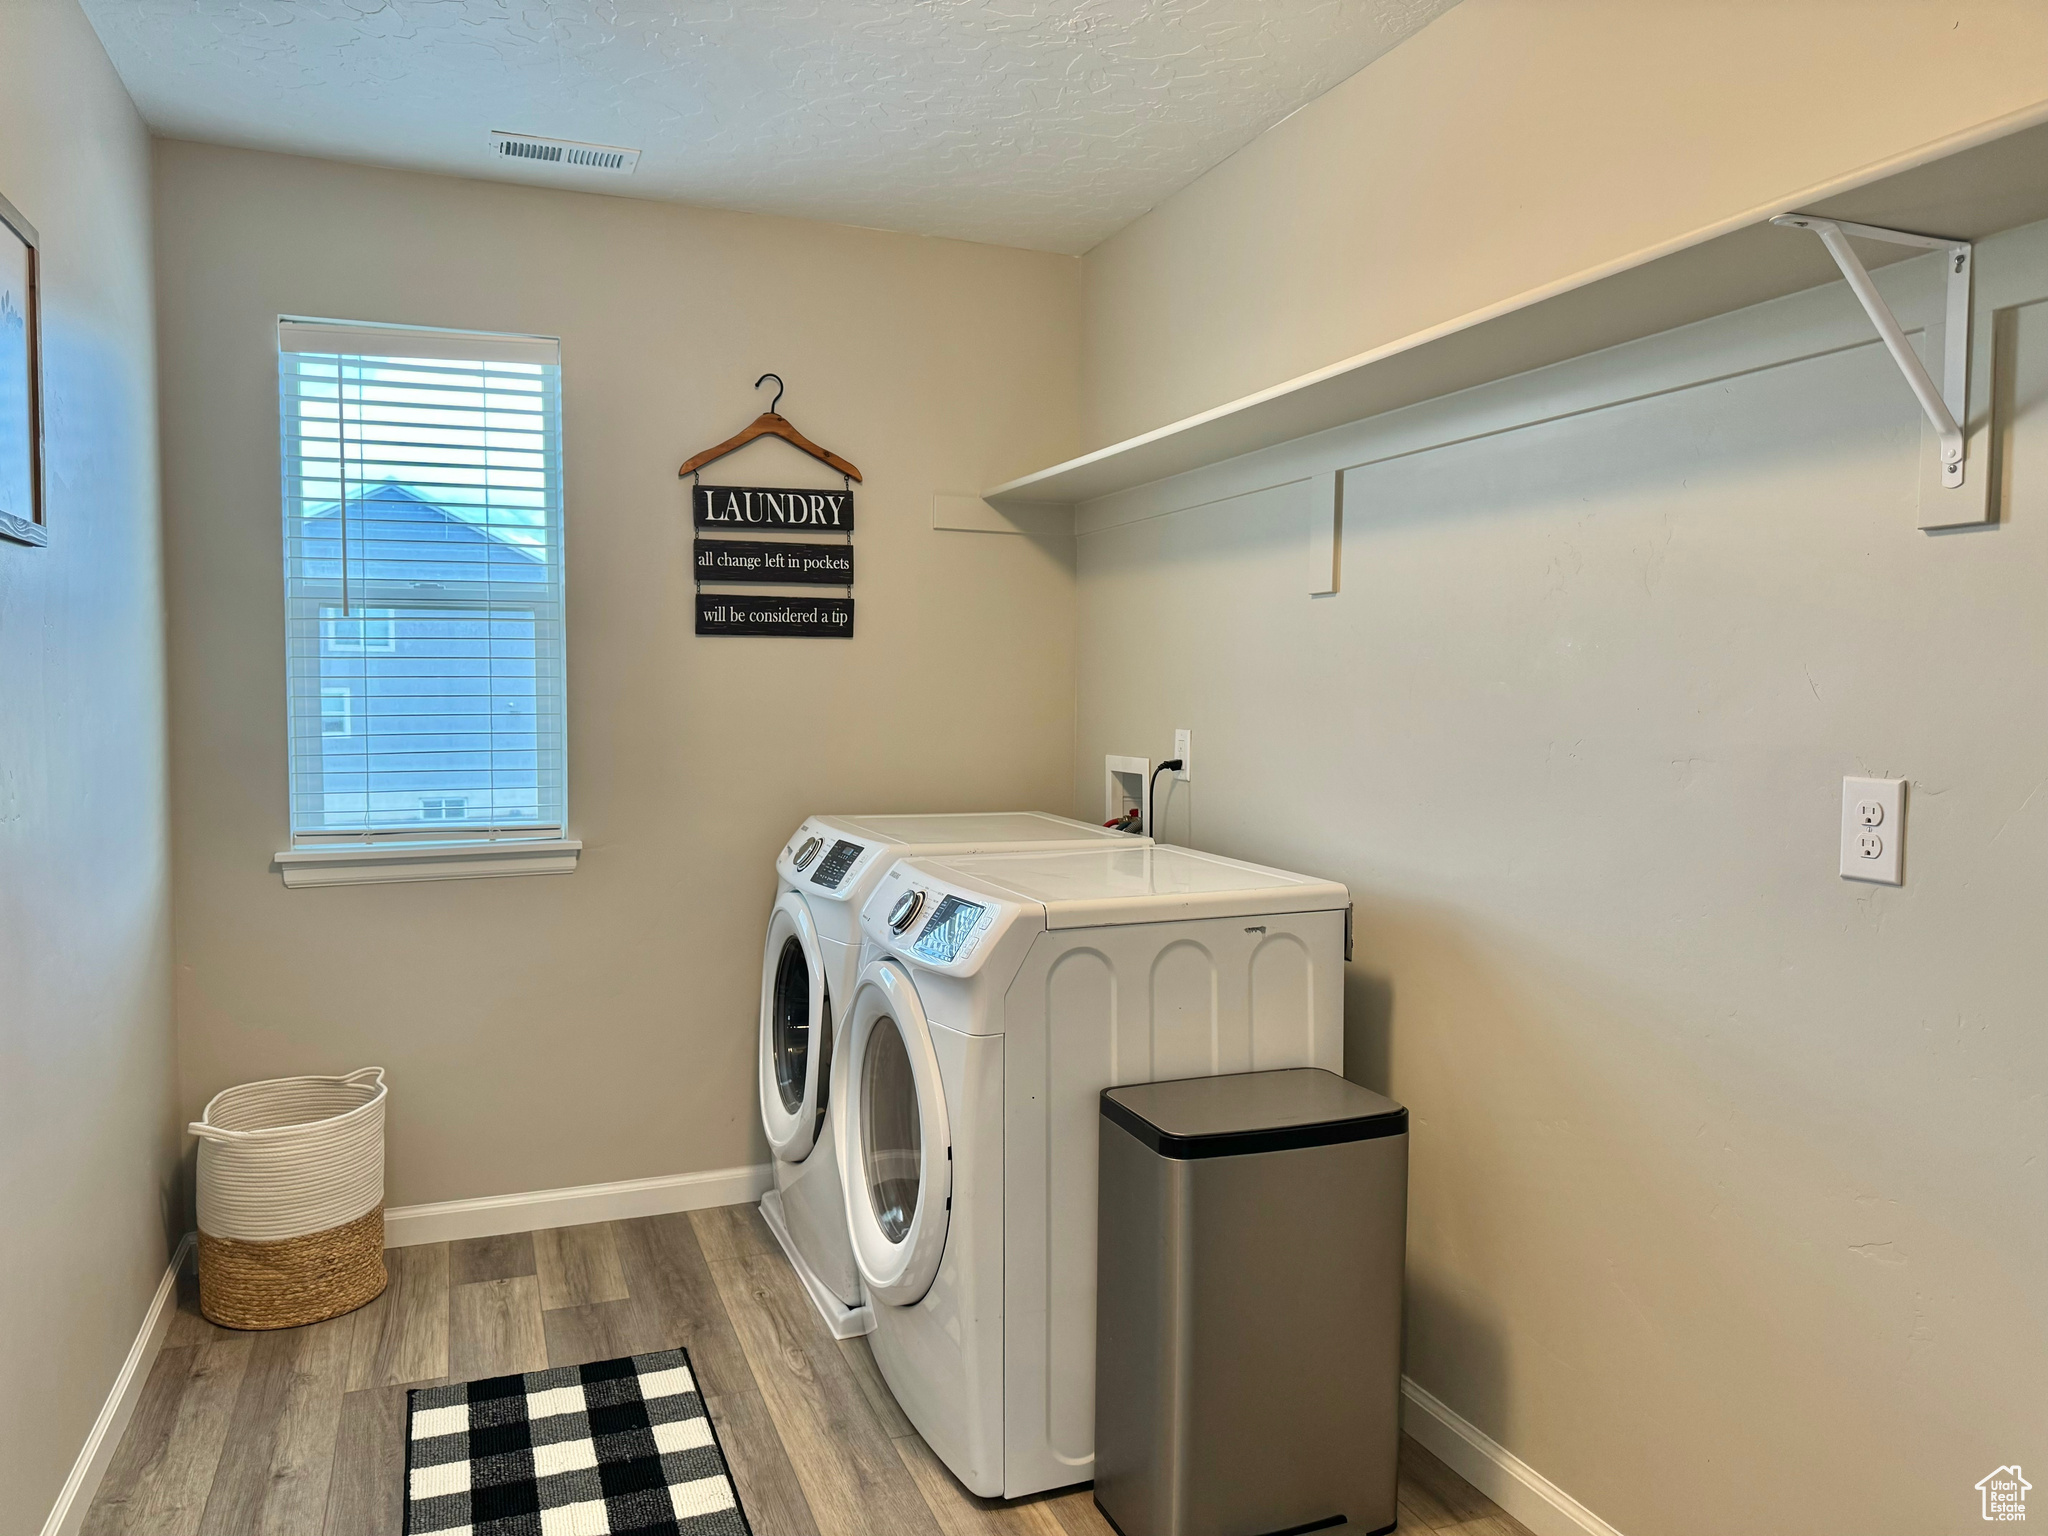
[
  {"x": 730, "y": 613},
  {"x": 751, "y": 560},
  {"x": 754, "y": 506}
]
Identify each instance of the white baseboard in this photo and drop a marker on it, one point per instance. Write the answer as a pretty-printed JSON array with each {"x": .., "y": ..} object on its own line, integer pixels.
[
  {"x": 1495, "y": 1470},
  {"x": 406, "y": 1226},
  {"x": 67, "y": 1515}
]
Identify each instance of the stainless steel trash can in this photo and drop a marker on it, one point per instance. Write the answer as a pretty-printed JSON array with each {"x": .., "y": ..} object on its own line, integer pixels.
[{"x": 1251, "y": 1236}]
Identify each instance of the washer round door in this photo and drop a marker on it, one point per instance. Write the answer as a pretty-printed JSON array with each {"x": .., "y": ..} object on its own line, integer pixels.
[
  {"x": 796, "y": 1031},
  {"x": 894, "y": 1139}
]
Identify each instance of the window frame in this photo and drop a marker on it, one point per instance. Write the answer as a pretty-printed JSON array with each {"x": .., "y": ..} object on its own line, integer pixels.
[{"x": 312, "y": 850}]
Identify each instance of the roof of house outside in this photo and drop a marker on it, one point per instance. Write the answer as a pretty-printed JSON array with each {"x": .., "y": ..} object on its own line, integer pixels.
[{"x": 398, "y": 535}]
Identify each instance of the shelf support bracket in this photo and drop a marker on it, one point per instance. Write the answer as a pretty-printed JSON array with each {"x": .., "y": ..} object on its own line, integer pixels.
[{"x": 1949, "y": 406}]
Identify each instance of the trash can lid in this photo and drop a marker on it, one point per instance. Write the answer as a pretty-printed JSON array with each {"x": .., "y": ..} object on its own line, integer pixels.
[{"x": 1252, "y": 1112}]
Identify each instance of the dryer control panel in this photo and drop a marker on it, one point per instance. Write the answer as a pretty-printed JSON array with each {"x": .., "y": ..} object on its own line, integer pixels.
[
  {"x": 823, "y": 861},
  {"x": 932, "y": 924}
]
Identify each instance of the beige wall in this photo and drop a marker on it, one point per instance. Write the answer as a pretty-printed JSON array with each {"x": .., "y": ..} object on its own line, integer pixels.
[
  {"x": 1511, "y": 144},
  {"x": 1715, "y": 1155},
  {"x": 86, "y": 1140},
  {"x": 553, "y": 1031},
  {"x": 1726, "y": 1172}
]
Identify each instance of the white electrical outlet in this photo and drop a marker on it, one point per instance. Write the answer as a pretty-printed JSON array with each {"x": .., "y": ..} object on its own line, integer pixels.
[
  {"x": 1874, "y": 830},
  {"x": 1184, "y": 749}
]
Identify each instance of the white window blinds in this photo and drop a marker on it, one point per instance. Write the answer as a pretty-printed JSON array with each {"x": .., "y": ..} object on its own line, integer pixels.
[{"x": 423, "y": 583}]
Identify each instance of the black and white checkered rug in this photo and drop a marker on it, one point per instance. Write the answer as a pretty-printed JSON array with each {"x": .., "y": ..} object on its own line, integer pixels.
[{"x": 620, "y": 1448}]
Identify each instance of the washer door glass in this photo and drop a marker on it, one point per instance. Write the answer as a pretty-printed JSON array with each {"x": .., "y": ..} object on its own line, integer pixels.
[
  {"x": 891, "y": 1133},
  {"x": 892, "y": 1123},
  {"x": 796, "y": 1031},
  {"x": 790, "y": 1024}
]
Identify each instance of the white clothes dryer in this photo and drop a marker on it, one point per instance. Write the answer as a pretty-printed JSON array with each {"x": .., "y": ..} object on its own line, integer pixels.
[
  {"x": 1002, "y": 993},
  {"x": 810, "y": 962}
]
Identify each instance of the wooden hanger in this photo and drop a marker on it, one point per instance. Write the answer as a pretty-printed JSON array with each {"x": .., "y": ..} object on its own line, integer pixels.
[{"x": 768, "y": 424}]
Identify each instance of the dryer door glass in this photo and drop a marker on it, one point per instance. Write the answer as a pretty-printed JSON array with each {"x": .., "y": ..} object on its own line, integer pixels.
[
  {"x": 790, "y": 1042},
  {"x": 892, "y": 1143}
]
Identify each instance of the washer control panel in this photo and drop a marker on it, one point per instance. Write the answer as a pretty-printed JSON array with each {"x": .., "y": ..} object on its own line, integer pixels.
[
  {"x": 844, "y": 855},
  {"x": 953, "y": 927},
  {"x": 824, "y": 862},
  {"x": 923, "y": 920}
]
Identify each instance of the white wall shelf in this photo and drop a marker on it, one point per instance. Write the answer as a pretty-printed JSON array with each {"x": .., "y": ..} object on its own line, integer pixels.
[{"x": 1995, "y": 178}]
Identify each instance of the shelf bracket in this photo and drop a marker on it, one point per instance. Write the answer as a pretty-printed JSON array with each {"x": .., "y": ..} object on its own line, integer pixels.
[
  {"x": 1949, "y": 406},
  {"x": 1325, "y": 532}
]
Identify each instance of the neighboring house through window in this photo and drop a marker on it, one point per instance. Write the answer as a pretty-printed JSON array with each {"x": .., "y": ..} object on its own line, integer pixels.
[{"x": 423, "y": 583}]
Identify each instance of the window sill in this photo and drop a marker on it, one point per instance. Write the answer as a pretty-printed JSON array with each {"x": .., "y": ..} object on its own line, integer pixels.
[{"x": 360, "y": 864}]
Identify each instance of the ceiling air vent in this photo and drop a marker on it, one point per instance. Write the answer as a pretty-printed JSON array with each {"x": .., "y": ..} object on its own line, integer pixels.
[{"x": 608, "y": 159}]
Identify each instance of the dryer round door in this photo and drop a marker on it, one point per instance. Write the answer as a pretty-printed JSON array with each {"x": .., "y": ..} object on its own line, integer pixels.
[
  {"x": 796, "y": 1031},
  {"x": 894, "y": 1139}
]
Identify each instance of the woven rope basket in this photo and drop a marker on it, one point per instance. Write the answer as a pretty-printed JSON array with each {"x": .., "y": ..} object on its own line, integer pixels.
[{"x": 291, "y": 1200}]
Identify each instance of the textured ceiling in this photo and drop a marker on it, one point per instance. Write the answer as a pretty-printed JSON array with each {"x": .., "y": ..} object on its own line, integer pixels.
[{"x": 1021, "y": 122}]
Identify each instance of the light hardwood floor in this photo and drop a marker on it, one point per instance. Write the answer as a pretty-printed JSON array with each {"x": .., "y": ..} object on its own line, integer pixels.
[{"x": 302, "y": 1432}]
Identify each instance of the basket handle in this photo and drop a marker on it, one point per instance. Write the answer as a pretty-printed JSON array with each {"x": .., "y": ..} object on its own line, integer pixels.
[{"x": 220, "y": 1133}]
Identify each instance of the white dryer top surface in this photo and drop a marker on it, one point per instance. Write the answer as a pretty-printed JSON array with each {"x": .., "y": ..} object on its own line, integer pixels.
[
  {"x": 970, "y": 829},
  {"x": 1098, "y": 888}
]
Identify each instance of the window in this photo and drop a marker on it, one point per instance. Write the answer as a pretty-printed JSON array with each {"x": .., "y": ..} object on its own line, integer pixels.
[
  {"x": 370, "y": 629},
  {"x": 423, "y": 583},
  {"x": 337, "y": 716}
]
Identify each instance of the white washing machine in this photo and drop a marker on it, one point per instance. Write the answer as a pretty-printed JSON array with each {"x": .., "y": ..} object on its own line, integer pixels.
[
  {"x": 1002, "y": 993},
  {"x": 809, "y": 963}
]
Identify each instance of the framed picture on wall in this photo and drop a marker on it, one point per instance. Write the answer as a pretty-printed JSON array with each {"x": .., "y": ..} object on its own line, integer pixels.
[{"x": 21, "y": 381}]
